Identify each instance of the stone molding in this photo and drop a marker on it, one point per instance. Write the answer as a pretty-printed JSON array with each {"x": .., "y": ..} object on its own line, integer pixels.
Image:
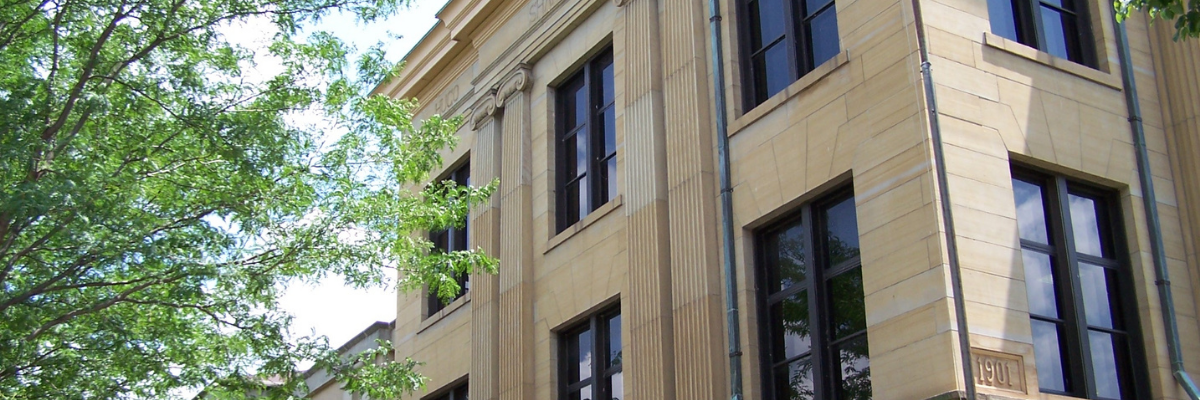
[
  {"x": 621, "y": 3},
  {"x": 517, "y": 81},
  {"x": 483, "y": 109}
]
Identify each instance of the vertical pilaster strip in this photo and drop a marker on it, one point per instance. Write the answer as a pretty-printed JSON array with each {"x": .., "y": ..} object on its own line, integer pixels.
[
  {"x": 1179, "y": 95},
  {"x": 697, "y": 300},
  {"x": 651, "y": 364},
  {"x": 516, "y": 243},
  {"x": 485, "y": 235}
]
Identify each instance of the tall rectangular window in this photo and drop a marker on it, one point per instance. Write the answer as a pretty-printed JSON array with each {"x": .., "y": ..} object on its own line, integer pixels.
[
  {"x": 784, "y": 39},
  {"x": 586, "y": 145},
  {"x": 452, "y": 239},
  {"x": 590, "y": 359},
  {"x": 457, "y": 393},
  {"x": 815, "y": 330},
  {"x": 1058, "y": 27},
  {"x": 1079, "y": 290}
]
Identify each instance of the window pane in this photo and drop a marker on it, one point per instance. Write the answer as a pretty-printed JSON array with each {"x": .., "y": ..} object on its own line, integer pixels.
[
  {"x": 568, "y": 154},
  {"x": 570, "y": 212},
  {"x": 812, "y": 6},
  {"x": 584, "y": 357},
  {"x": 1031, "y": 217},
  {"x": 1104, "y": 364},
  {"x": 766, "y": 23},
  {"x": 1086, "y": 226},
  {"x": 581, "y": 155},
  {"x": 583, "y": 199},
  {"x": 606, "y": 82},
  {"x": 794, "y": 381},
  {"x": 617, "y": 386},
  {"x": 611, "y": 178},
  {"x": 847, "y": 315},
  {"x": 1054, "y": 33},
  {"x": 1098, "y": 284},
  {"x": 1039, "y": 284},
  {"x": 614, "y": 341},
  {"x": 1004, "y": 21},
  {"x": 854, "y": 370},
  {"x": 841, "y": 233},
  {"x": 786, "y": 264},
  {"x": 771, "y": 69},
  {"x": 823, "y": 32},
  {"x": 569, "y": 104},
  {"x": 581, "y": 107},
  {"x": 1047, "y": 350},
  {"x": 610, "y": 130},
  {"x": 584, "y": 393},
  {"x": 791, "y": 334}
]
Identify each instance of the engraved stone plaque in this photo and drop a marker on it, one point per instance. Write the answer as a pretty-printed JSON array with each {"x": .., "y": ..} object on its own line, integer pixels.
[{"x": 998, "y": 370}]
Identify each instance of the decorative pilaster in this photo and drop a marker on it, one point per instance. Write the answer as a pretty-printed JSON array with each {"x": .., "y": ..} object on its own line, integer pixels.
[
  {"x": 485, "y": 235},
  {"x": 647, "y": 300},
  {"x": 516, "y": 244},
  {"x": 698, "y": 313}
]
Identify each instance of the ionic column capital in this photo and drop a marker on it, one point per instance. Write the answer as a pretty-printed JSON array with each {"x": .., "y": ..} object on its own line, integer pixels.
[{"x": 516, "y": 81}]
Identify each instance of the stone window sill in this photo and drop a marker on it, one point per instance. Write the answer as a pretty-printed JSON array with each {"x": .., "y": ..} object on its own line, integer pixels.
[
  {"x": 790, "y": 91},
  {"x": 587, "y": 221},
  {"x": 1020, "y": 50},
  {"x": 441, "y": 314}
]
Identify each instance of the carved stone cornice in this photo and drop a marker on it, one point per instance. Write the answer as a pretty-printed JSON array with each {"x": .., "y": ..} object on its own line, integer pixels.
[
  {"x": 517, "y": 81},
  {"x": 483, "y": 109},
  {"x": 621, "y": 3}
]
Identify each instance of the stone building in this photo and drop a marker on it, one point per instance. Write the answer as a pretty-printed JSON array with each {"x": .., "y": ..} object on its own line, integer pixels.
[{"x": 895, "y": 232}]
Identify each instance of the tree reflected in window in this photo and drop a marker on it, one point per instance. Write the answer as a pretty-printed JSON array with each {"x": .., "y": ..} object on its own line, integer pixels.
[{"x": 815, "y": 327}]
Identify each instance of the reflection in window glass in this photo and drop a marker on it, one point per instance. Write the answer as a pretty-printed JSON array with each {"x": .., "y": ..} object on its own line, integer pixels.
[
  {"x": 1048, "y": 352},
  {"x": 1039, "y": 284},
  {"x": 1031, "y": 218},
  {"x": 1074, "y": 284},
  {"x": 815, "y": 308},
  {"x": 1104, "y": 365},
  {"x": 1085, "y": 225}
]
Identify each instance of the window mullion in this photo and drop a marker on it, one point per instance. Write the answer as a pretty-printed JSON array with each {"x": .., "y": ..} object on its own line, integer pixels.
[
  {"x": 1039, "y": 33},
  {"x": 586, "y": 201},
  {"x": 1070, "y": 266},
  {"x": 792, "y": 36},
  {"x": 598, "y": 359},
  {"x": 816, "y": 306}
]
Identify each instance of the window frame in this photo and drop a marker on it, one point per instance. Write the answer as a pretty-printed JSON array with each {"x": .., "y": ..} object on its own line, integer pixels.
[
  {"x": 797, "y": 37},
  {"x": 600, "y": 378},
  {"x": 1068, "y": 289},
  {"x": 1029, "y": 26},
  {"x": 455, "y": 239},
  {"x": 600, "y": 185},
  {"x": 826, "y": 372}
]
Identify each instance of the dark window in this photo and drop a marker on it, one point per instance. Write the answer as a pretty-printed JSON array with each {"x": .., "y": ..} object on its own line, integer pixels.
[
  {"x": 816, "y": 329},
  {"x": 784, "y": 39},
  {"x": 1058, "y": 27},
  {"x": 586, "y": 145},
  {"x": 457, "y": 393},
  {"x": 591, "y": 359},
  {"x": 452, "y": 239},
  {"x": 1079, "y": 290}
]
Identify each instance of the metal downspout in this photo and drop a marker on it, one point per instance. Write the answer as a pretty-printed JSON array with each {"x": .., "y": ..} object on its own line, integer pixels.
[
  {"x": 731, "y": 297},
  {"x": 939, "y": 155},
  {"x": 1150, "y": 202}
]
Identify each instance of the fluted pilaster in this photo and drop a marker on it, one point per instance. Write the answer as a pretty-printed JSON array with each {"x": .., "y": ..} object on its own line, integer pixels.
[
  {"x": 698, "y": 312},
  {"x": 1179, "y": 93},
  {"x": 485, "y": 235},
  {"x": 648, "y": 299},
  {"x": 516, "y": 244}
]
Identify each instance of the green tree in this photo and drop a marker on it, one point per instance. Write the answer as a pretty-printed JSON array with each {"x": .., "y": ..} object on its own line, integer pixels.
[
  {"x": 1186, "y": 13},
  {"x": 155, "y": 195}
]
